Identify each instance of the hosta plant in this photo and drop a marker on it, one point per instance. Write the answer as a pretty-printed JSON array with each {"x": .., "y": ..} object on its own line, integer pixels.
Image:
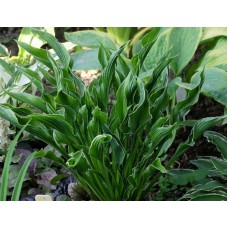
[
  {"x": 114, "y": 148},
  {"x": 200, "y": 48},
  {"x": 214, "y": 185}
]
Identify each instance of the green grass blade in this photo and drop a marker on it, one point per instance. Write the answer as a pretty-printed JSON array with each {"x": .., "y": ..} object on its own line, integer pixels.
[
  {"x": 5, "y": 173},
  {"x": 22, "y": 173}
]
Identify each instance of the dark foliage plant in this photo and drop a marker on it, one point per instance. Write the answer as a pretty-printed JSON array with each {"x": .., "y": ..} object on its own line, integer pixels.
[
  {"x": 115, "y": 150},
  {"x": 211, "y": 173}
]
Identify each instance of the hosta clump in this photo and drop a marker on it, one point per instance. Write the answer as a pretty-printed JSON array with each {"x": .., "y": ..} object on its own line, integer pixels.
[
  {"x": 213, "y": 184},
  {"x": 114, "y": 152}
]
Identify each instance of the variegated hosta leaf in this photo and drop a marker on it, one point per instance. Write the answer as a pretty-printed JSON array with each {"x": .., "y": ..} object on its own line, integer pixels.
[
  {"x": 184, "y": 42},
  {"x": 198, "y": 129},
  {"x": 59, "y": 49},
  {"x": 212, "y": 32},
  {"x": 214, "y": 85},
  {"x": 219, "y": 140},
  {"x": 91, "y": 39}
]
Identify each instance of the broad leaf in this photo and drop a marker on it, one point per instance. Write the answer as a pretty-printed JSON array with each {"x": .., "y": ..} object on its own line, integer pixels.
[
  {"x": 91, "y": 38},
  {"x": 214, "y": 85},
  {"x": 215, "y": 57},
  {"x": 212, "y": 32},
  {"x": 86, "y": 60},
  {"x": 184, "y": 42}
]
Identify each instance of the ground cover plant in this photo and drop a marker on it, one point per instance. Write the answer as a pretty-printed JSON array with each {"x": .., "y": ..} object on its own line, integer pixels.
[{"x": 114, "y": 135}]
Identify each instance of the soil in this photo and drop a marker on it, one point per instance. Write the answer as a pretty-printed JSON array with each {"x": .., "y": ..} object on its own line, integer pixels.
[{"x": 7, "y": 36}]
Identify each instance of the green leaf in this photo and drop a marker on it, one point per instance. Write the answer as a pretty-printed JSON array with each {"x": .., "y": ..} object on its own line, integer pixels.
[
  {"x": 118, "y": 151},
  {"x": 40, "y": 131},
  {"x": 184, "y": 42},
  {"x": 78, "y": 83},
  {"x": 157, "y": 165},
  {"x": 48, "y": 76},
  {"x": 158, "y": 134},
  {"x": 200, "y": 195},
  {"x": 158, "y": 50},
  {"x": 220, "y": 165},
  {"x": 57, "y": 72},
  {"x": 5, "y": 172},
  {"x": 9, "y": 68},
  {"x": 151, "y": 36},
  {"x": 214, "y": 85},
  {"x": 51, "y": 156},
  {"x": 57, "y": 178},
  {"x": 73, "y": 161},
  {"x": 39, "y": 54},
  {"x": 185, "y": 176},
  {"x": 37, "y": 129},
  {"x": 59, "y": 49},
  {"x": 198, "y": 129},
  {"x": 122, "y": 34},
  {"x": 13, "y": 174},
  {"x": 33, "y": 76},
  {"x": 141, "y": 112},
  {"x": 91, "y": 38},
  {"x": 210, "y": 186},
  {"x": 219, "y": 140},
  {"x": 103, "y": 56},
  {"x": 147, "y": 41},
  {"x": 202, "y": 163},
  {"x": 54, "y": 121},
  {"x": 8, "y": 114},
  {"x": 202, "y": 125},
  {"x": 3, "y": 51},
  {"x": 183, "y": 107},
  {"x": 86, "y": 60},
  {"x": 212, "y": 32},
  {"x": 27, "y": 36},
  {"x": 215, "y": 57},
  {"x": 210, "y": 197},
  {"x": 21, "y": 175},
  {"x": 30, "y": 99},
  {"x": 107, "y": 77},
  {"x": 123, "y": 94},
  {"x": 96, "y": 151}
]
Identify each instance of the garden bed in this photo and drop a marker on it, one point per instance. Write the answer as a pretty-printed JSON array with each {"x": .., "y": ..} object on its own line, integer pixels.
[{"x": 47, "y": 177}]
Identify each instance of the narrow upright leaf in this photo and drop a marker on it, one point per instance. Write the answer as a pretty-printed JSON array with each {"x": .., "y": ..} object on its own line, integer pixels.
[{"x": 60, "y": 50}]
